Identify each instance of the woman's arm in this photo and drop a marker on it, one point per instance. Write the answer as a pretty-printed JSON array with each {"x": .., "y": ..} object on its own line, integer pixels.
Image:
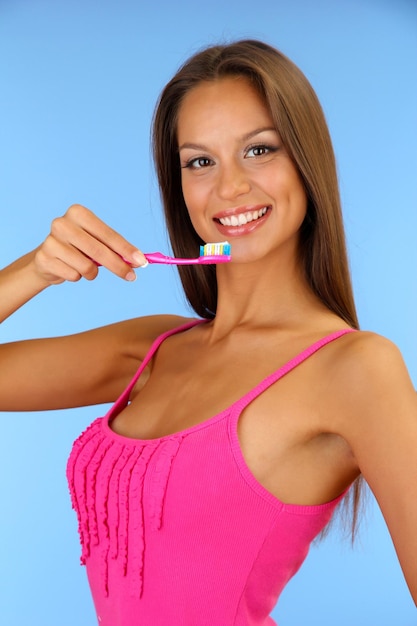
[
  {"x": 86, "y": 368},
  {"x": 379, "y": 420},
  {"x": 77, "y": 370}
]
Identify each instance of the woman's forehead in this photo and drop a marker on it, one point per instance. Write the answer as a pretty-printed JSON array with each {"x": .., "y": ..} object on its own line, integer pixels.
[{"x": 224, "y": 105}]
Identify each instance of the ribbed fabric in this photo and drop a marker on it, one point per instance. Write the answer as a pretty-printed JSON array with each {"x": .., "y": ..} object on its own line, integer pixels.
[{"x": 177, "y": 530}]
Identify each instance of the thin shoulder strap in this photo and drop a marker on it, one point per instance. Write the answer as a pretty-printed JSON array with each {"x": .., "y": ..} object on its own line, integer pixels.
[
  {"x": 123, "y": 398},
  {"x": 290, "y": 365}
]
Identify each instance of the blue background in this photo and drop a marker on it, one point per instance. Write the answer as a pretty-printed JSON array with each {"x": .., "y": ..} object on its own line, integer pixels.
[{"x": 79, "y": 80}]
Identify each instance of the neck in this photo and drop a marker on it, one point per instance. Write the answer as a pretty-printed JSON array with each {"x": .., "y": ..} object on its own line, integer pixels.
[{"x": 261, "y": 294}]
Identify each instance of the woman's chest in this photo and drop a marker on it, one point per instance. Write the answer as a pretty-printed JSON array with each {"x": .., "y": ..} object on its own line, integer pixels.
[
  {"x": 182, "y": 387},
  {"x": 279, "y": 420}
]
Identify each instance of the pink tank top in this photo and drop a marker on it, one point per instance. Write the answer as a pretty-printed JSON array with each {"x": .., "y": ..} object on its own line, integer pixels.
[{"x": 177, "y": 530}]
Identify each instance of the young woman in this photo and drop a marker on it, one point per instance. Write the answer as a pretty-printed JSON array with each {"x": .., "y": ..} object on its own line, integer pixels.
[{"x": 234, "y": 436}]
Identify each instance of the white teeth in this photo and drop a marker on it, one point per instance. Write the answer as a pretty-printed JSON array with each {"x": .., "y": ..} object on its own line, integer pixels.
[{"x": 242, "y": 218}]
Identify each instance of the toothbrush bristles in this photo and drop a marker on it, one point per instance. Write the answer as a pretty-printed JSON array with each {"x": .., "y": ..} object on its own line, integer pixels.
[{"x": 216, "y": 249}]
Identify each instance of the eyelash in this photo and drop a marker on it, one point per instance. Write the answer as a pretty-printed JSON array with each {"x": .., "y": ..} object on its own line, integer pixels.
[
  {"x": 191, "y": 163},
  {"x": 263, "y": 146},
  {"x": 259, "y": 146}
]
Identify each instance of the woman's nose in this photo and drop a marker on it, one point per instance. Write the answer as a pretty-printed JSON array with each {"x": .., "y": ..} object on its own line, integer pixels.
[{"x": 232, "y": 181}]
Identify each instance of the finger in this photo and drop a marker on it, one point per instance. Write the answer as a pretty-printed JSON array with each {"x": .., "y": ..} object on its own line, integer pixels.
[
  {"x": 90, "y": 223},
  {"x": 70, "y": 242},
  {"x": 57, "y": 262}
]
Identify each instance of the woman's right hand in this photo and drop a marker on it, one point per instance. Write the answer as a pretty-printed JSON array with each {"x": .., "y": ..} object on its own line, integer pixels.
[{"x": 79, "y": 242}]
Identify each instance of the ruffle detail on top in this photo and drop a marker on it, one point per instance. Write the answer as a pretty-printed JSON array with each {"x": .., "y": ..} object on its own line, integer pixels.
[
  {"x": 167, "y": 450},
  {"x": 106, "y": 479}
]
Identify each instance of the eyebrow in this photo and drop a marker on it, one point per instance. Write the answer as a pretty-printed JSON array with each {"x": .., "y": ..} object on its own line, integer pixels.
[{"x": 246, "y": 137}]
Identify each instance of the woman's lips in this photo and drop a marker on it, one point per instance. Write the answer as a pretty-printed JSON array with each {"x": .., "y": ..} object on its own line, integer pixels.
[{"x": 243, "y": 221}]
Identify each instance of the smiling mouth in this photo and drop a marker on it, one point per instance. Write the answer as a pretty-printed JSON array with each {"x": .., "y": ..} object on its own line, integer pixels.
[{"x": 242, "y": 218}]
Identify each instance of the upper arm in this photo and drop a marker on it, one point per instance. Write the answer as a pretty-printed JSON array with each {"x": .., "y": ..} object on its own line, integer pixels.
[
  {"x": 87, "y": 368},
  {"x": 379, "y": 421}
]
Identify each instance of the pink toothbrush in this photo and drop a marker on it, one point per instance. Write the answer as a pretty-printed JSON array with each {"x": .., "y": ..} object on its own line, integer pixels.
[{"x": 210, "y": 254}]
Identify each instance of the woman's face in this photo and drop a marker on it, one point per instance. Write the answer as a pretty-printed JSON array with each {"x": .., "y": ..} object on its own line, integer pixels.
[{"x": 238, "y": 182}]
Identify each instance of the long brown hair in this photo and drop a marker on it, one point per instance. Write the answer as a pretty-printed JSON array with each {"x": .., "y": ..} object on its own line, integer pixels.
[{"x": 299, "y": 119}]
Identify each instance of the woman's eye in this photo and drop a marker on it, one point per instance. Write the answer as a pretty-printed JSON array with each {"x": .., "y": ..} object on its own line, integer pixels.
[
  {"x": 198, "y": 163},
  {"x": 259, "y": 150}
]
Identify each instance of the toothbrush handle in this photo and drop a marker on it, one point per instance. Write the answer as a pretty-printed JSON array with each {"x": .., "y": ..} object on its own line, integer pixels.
[{"x": 158, "y": 257}]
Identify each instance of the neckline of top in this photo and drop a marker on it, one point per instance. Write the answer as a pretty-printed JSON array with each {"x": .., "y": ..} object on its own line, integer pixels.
[{"x": 238, "y": 405}]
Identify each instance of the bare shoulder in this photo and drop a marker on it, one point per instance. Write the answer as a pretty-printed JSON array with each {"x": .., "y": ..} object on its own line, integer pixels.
[
  {"x": 138, "y": 334},
  {"x": 369, "y": 383},
  {"x": 366, "y": 360}
]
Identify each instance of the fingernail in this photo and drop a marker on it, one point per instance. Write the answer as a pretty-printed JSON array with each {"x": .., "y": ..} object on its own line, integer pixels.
[
  {"x": 139, "y": 259},
  {"x": 130, "y": 276}
]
